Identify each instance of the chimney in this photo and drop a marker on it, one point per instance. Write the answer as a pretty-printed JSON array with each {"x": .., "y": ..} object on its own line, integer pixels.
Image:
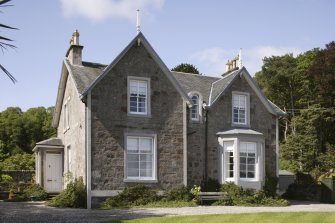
[
  {"x": 234, "y": 64},
  {"x": 74, "y": 52}
]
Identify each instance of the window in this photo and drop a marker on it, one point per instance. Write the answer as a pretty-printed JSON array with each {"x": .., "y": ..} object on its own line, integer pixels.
[
  {"x": 247, "y": 160},
  {"x": 229, "y": 159},
  {"x": 140, "y": 158},
  {"x": 195, "y": 108},
  {"x": 69, "y": 159},
  {"x": 240, "y": 109},
  {"x": 66, "y": 113},
  {"x": 138, "y": 96}
]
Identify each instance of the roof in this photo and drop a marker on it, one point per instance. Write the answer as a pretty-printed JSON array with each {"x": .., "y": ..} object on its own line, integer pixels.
[
  {"x": 240, "y": 131},
  {"x": 85, "y": 74},
  {"x": 196, "y": 82},
  {"x": 221, "y": 85},
  {"x": 49, "y": 143}
]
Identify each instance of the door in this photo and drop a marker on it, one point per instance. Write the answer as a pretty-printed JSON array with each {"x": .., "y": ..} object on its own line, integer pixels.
[{"x": 53, "y": 172}]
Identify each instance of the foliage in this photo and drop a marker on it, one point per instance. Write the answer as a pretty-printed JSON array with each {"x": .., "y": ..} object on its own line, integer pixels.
[
  {"x": 19, "y": 131},
  {"x": 5, "y": 178},
  {"x": 36, "y": 191},
  {"x": 248, "y": 197},
  {"x": 186, "y": 68},
  {"x": 304, "y": 86},
  {"x": 303, "y": 188},
  {"x": 270, "y": 185},
  {"x": 132, "y": 196},
  {"x": 210, "y": 185},
  {"x": 74, "y": 196},
  {"x": 181, "y": 193},
  {"x": 5, "y": 42},
  {"x": 19, "y": 162},
  {"x": 276, "y": 217},
  {"x": 329, "y": 174},
  {"x": 195, "y": 191}
]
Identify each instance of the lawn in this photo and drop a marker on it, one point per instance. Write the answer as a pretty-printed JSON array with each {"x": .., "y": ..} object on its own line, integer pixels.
[{"x": 299, "y": 217}]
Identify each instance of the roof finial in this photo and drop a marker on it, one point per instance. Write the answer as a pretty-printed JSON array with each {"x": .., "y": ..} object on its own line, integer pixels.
[
  {"x": 240, "y": 59},
  {"x": 138, "y": 26}
]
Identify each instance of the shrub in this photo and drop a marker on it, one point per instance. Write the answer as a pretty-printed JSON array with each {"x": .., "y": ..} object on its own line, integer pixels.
[
  {"x": 74, "y": 196},
  {"x": 132, "y": 196},
  {"x": 178, "y": 194},
  {"x": 6, "y": 178},
  {"x": 35, "y": 190},
  {"x": 248, "y": 197},
  {"x": 270, "y": 185},
  {"x": 210, "y": 185},
  {"x": 303, "y": 188}
]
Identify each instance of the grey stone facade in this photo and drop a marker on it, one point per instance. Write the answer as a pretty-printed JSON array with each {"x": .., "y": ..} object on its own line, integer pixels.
[{"x": 110, "y": 121}]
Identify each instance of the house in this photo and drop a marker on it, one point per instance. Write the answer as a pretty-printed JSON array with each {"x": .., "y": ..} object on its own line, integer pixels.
[{"x": 135, "y": 121}]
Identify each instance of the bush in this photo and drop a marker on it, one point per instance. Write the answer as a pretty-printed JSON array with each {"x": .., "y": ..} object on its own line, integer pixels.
[
  {"x": 270, "y": 186},
  {"x": 303, "y": 188},
  {"x": 35, "y": 190},
  {"x": 178, "y": 194},
  {"x": 6, "y": 178},
  {"x": 210, "y": 185},
  {"x": 248, "y": 197},
  {"x": 74, "y": 196},
  {"x": 132, "y": 196}
]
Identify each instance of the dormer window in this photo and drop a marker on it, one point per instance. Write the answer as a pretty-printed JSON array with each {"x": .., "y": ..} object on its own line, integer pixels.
[
  {"x": 240, "y": 110},
  {"x": 138, "y": 96}
]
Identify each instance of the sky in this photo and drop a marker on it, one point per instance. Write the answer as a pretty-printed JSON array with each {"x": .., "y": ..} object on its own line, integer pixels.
[{"x": 203, "y": 33}]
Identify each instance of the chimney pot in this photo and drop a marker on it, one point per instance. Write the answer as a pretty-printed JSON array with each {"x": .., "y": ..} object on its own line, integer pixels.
[{"x": 74, "y": 53}]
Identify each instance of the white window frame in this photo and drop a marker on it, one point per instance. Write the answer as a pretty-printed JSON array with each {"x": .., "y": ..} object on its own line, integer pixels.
[
  {"x": 66, "y": 114},
  {"x": 246, "y": 157},
  {"x": 69, "y": 158},
  {"x": 259, "y": 157},
  {"x": 246, "y": 108},
  {"x": 199, "y": 106},
  {"x": 226, "y": 162},
  {"x": 147, "y": 104},
  {"x": 153, "y": 177}
]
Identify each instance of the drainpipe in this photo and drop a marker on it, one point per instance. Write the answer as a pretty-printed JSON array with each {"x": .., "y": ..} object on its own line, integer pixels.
[{"x": 206, "y": 144}]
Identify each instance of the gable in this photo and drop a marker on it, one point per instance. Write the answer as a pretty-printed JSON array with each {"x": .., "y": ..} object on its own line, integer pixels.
[
  {"x": 141, "y": 40},
  {"x": 220, "y": 87}
]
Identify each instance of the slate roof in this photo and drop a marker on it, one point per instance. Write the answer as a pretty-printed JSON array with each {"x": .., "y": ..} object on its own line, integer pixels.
[
  {"x": 85, "y": 74},
  {"x": 51, "y": 142},
  {"x": 196, "y": 82},
  {"x": 219, "y": 86}
]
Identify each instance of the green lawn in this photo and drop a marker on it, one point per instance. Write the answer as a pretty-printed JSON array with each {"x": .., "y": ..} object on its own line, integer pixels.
[{"x": 302, "y": 217}]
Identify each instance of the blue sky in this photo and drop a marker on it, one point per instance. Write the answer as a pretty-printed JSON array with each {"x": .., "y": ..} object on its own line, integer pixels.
[{"x": 204, "y": 33}]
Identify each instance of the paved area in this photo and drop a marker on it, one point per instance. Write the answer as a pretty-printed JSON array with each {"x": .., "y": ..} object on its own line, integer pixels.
[{"x": 37, "y": 212}]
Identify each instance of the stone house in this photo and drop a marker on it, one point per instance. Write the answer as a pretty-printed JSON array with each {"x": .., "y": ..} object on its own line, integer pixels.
[{"x": 135, "y": 121}]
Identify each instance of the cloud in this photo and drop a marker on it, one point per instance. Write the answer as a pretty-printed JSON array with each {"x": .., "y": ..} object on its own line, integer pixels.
[
  {"x": 212, "y": 61},
  {"x": 99, "y": 10}
]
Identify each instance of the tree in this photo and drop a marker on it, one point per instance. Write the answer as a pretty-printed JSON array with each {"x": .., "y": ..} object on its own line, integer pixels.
[
  {"x": 22, "y": 161},
  {"x": 186, "y": 68},
  {"x": 5, "y": 43}
]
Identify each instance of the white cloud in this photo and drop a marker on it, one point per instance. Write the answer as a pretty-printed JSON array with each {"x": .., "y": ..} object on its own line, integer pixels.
[
  {"x": 213, "y": 61},
  {"x": 99, "y": 10}
]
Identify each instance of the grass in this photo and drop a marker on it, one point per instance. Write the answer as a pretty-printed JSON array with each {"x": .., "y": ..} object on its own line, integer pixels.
[
  {"x": 280, "y": 217},
  {"x": 159, "y": 204}
]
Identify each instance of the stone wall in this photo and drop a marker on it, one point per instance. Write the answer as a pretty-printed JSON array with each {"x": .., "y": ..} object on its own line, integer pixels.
[
  {"x": 110, "y": 122},
  {"x": 75, "y": 135},
  {"x": 195, "y": 150}
]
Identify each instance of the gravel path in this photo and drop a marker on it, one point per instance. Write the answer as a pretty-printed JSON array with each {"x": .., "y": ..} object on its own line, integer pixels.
[{"x": 37, "y": 212}]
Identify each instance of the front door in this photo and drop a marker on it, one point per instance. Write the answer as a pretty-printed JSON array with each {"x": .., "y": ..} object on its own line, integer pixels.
[{"x": 53, "y": 172}]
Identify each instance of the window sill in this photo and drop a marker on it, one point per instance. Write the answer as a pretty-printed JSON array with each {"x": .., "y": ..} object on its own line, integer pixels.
[
  {"x": 139, "y": 115},
  {"x": 139, "y": 181}
]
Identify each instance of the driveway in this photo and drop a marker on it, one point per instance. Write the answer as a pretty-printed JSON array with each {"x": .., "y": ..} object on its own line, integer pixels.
[{"x": 37, "y": 212}]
